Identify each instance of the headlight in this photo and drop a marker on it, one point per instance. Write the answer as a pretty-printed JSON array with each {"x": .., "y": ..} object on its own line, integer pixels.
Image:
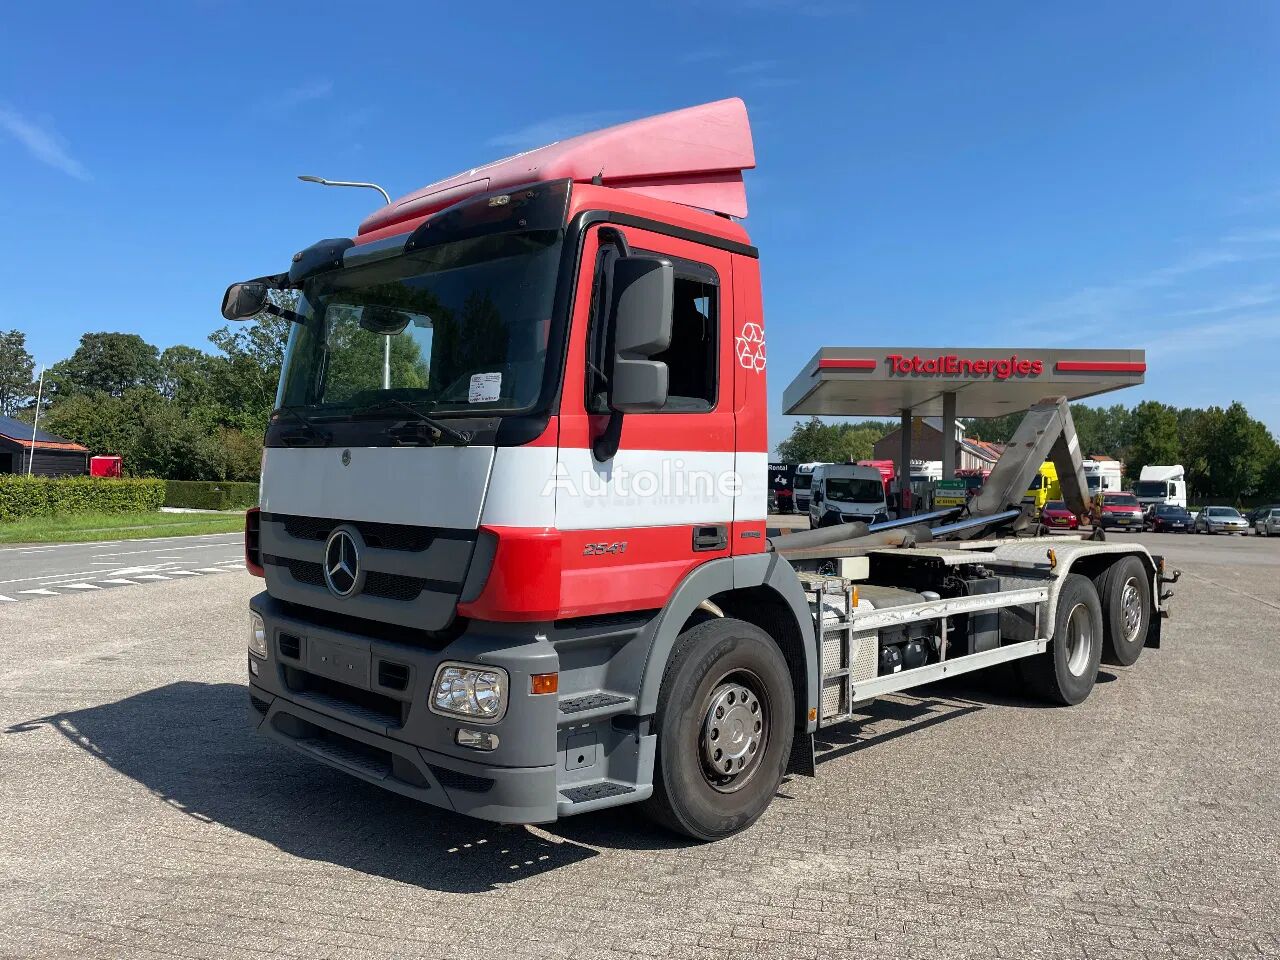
[
  {"x": 477, "y": 693},
  {"x": 257, "y": 636}
]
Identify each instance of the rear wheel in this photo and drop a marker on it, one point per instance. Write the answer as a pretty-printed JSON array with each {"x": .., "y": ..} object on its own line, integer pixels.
[
  {"x": 1065, "y": 673},
  {"x": 1124, "y": 591},
  {"x": 725, "y": 720}
]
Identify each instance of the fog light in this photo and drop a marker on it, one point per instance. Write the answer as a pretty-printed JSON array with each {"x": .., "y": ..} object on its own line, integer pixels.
[
  {"x": 253, "y": 666},
  {"x": 477, "y": 739},
  {"x": 257, "y": 636},
  {"x": 473, "y": 692}
]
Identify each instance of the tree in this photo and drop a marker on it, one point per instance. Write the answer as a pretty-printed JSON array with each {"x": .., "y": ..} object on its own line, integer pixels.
[
  {"x": 991, "y": 429},
  {"x": 17, "y": 370},
  {"x": 816, "y": 442},
  {"x": 1155, "y": 437},
  {"x": 187, "y": 376},
  {"x": 110, "y": 363},
  {"x": 245, "y": 384},
  {"x": 1227, "y": 453}
]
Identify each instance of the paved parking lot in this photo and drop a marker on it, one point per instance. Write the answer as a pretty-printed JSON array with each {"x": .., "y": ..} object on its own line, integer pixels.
[{"x": 141, "y": 818}]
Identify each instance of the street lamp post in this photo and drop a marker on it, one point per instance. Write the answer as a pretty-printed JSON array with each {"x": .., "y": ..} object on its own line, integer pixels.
[{"x": 386, "y": 344}]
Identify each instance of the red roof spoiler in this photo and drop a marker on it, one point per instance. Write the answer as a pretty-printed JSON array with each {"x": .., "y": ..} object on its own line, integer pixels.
[{"x": 694, "y": 157}]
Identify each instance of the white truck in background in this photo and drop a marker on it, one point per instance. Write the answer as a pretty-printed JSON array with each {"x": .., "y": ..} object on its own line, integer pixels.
[
  {"x": 1159, "y": 485},
  {"x": 1102, "y": 476}
]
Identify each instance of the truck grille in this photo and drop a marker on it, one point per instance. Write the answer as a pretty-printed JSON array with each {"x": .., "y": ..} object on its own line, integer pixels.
[
  {"x": 389, "y": 586},
  {"x": 382, "y": 536}
]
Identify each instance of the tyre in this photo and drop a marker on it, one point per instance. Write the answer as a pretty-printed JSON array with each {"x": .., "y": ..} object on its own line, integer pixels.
[
  {"x": 1124, "y": 590},
  {"x": 1065, "y": 673},
  {"x": 725, "y": 721}
]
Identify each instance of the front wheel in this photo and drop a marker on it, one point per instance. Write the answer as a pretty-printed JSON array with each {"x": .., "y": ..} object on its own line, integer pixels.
[{"x": 725, "y": 721}]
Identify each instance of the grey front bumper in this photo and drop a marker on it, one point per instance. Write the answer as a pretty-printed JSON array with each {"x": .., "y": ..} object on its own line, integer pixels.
[{"x": 384, "y": 732}]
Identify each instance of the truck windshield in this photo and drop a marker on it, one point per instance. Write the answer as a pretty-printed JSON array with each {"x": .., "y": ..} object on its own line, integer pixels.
[
  {"x": 803, "y": 481},
  {"x": 1151, "y": 488},
  {"x": 854, "y": 490},
  {"x": 467, "y": 324}
]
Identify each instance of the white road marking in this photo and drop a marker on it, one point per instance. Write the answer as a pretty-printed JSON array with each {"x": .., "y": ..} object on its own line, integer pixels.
[
  {"x": 132, "y": 583},
  {"x": 152, "y": 576},
  {"x": 210, "y": 570},
  {"x": 183, "y": 573},
  {"x": 41, "y": 592},
  {"x": 79, "y": 586},
  {"x": 4, "y": 599}
]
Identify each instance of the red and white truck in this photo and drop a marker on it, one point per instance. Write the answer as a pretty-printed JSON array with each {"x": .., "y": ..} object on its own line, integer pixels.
[{"x": 512, "y": 521}]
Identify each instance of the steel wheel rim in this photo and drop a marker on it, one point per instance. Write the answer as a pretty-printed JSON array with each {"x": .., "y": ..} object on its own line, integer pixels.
[
  {"x": 735, "y": 731},
  {"x": 1131, "y": 606},
  {"x": 1079, "y": 639}
]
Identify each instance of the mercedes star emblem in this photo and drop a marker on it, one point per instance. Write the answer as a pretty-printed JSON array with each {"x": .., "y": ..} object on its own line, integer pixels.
[{"x": 341, "y": 563}]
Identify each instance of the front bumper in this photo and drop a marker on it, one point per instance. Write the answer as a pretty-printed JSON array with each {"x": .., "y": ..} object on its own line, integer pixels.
[{"x": 360, "y": 704}]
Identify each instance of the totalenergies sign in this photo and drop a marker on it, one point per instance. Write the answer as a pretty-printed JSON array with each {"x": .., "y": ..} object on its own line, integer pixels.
[{"x": 1001, "y": 368}]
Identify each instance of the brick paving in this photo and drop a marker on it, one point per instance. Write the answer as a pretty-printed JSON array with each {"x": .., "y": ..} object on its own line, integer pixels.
[{"x": 143, "y": 820}]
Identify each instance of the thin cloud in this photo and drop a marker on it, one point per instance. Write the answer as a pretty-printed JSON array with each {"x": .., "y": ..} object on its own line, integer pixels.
[
  {"x": 1253, "y": 236},
  {"x": 42, "y": 143},
  {"x": 555, "y": 128},
  {"x": 811, "y": 8},
  {"x": 752, "y": 66},
  {"x": 292, "y": 97},
  {"x": 702, "y": 56},
  {"x": 772, "y": 83}
]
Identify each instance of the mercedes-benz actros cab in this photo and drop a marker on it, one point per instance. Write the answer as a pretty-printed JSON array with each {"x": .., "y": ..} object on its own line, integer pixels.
[{"x": 512, "y": 522}]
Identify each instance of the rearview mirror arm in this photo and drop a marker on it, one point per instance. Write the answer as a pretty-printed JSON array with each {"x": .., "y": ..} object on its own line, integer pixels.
[{"x": 283, "y": 312}]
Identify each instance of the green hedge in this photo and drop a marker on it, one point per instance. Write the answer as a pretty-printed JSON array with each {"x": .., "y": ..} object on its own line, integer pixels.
[
  {"x": 210, "y": 494},
  {"x": 53, "y": 496}
]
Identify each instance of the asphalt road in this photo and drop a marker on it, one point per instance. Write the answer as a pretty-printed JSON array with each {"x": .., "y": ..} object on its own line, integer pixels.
[
  {"x": 142, "y": 819},
  {"x": 34, "y": 572}
]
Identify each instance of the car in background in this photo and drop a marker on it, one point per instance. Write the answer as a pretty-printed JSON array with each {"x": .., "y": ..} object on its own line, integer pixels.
[
  {"x": 1252, "y": 516},
  {"x": 1056, "y": 516},
  {"x": 1168, "y": 518},
  {"x": 1267, "y": 523},
  {"x": 1120, "y": 510},
  {"x": 1221, "y": 520}
]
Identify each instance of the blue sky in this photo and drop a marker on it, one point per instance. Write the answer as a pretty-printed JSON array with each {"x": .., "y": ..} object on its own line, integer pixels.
[{"x": 931, "y": 173}]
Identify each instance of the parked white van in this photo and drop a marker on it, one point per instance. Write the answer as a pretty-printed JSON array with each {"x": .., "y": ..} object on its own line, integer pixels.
[{"x": 845, "y": 492}]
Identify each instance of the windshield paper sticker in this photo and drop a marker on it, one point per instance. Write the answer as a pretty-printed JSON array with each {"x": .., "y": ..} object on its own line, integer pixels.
[{"x": 484, "y": 388}]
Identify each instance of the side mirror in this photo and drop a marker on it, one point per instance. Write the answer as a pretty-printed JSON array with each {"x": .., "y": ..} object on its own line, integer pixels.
[
  {"x": 244, "y": 300},
  {"x": 817, "y": 496},
  {"x": 641, "y": 311}
]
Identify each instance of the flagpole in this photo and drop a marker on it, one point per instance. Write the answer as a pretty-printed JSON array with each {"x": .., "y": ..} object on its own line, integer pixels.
[{"x": 31, "y": 457}]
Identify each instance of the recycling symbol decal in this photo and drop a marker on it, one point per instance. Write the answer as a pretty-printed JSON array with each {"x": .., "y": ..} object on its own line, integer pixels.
[{"x": 749, "y": 345}]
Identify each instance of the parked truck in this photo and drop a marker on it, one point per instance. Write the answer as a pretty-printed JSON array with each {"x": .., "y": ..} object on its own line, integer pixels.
[
  {"x": 1103, "y": 476},
  {"x": 1159, "y": 485},
  {"x": 512, "y": 520}
]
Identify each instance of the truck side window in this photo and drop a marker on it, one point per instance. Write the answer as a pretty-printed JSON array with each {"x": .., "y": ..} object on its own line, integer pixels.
[{"x": 692, "y": 358}]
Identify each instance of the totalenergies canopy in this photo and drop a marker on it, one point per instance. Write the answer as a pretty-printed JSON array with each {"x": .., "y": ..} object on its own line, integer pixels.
[{"x": 986, "y": 382}]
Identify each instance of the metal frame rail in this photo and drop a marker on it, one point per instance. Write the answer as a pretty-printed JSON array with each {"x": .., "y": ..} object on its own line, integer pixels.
[{"x": 855, "y": 625}]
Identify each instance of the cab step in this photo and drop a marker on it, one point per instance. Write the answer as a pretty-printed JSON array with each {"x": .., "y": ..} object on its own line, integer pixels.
[
  {"x": 595, "y": 704},
  {"x": 585, "y": 797}
]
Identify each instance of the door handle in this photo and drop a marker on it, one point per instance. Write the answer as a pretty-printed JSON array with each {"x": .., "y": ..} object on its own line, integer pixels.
[{"x": 711, "y": 537}]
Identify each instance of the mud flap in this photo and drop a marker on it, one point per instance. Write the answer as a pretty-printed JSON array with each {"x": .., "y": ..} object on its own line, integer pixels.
[{"x": 802, "y": 762}]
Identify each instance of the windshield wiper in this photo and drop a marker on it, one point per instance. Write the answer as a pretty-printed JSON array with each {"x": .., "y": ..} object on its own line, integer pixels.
[
  {"x": 421, "y": 436},
  {"x": 311, "y": 430}
]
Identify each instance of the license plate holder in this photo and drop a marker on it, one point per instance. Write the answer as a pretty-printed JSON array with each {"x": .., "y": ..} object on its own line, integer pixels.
[{"x": 345, "y": 662}]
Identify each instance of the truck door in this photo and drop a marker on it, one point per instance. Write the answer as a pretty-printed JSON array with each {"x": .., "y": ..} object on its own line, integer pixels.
[{"x": 633, "y": 525}]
